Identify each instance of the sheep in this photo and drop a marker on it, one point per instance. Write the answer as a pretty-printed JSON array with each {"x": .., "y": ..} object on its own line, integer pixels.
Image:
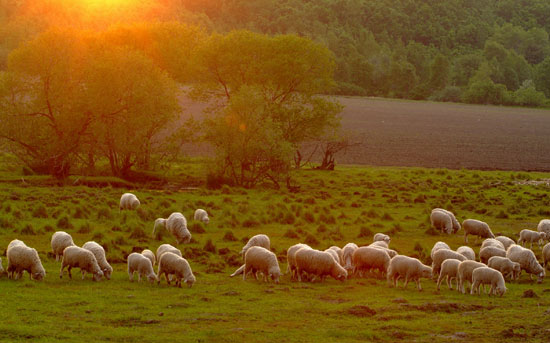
[
  {"x": 544, "y": 226},
  {"x": 291, "y": 258},
  {"x": 492, "y": 242},
  {"x": 465, "y": 269},
  {"x": 99, "y": 254},
  {"x": 142, "y": 265},
  {"x": 339, "y": 252},
  {"x": 318, "y": 263},
  {"x": 467, "y": 252},
  {"x": 441, "y": 221},
  {"x": 151, "y": 256},
  {"x": 163, "y": 248},
  {"x": 76, "y": 257},
  {"x": 15, "y": 242},
  {"x": 546, "y": 255},
  {"x": 531, "y": 236},
  {"x": 381, "y": 237},
  {"x": 381, "y": 244},
  {"x": 259, "y": 259},
  {"x": 505, "y": 266},
  {"x": 128, "y": 201},
  {"x": 505, "y": 241},
  {"x": 477, "y": 228},
  {"x": 442, "y": 255},
  {"x": 449, "y": 269},
  {"x": 334, "y": 254},
  {"x": 437, "y": 246},
  {"x": 347, "y": 254},
  {"x": 256, "y": 241},
  {"x": 176, "y": 224},
  {"x": 368, "y": 258},
  {"x": 22, "y": 258},
  {"x": 527, "y": 260},
  {"x": 409, "y": 267},
  {"x": 172, "y": 264},
  {"x": 60, "y": 240},
  {"x": 486, "y": 275},
  {"x": 486, "y": 253},
  {"x": 456, "y": 224},
  {"x": 390, "y": 252},
  {"x": 201, "y": 216},
  {"x": 1, "y": 267}
]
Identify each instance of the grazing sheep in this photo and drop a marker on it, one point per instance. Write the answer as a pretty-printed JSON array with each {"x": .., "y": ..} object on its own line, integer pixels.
[
  {"x": 176, "y": 224},
  {"x": 442, "y": 255},
  {"x": 334, "y": 254},
  {"x": 477, "y": 228},
  {"x": 347, "y": 256},
  {"x": 172, "y": 264},
  {"x": 22, "y": 258},
  {"x": 465, "y": 269},
  {"x": 61, "y": 240},
  {"x": 507, "y": 267},
  {"x": 319, "y": 264},
  {"x": 390, "y": 252},
  {"x": 149, "y": 254},
  {"x": 449, "y": 269},
  {"x": 257, "y": 241},
  {"x": 546, "y": 255},
  {"x": 201, "y": 216},
  {"x": 142, "y": 265},
  {"x": 441, "y": 221},
  {"x": 527, "y": 260},
  {"x": 163, "y": 248},
  {"x": 381, "y": 237},
  {"x": 339, "y": 252},
  {"x": 380, "y": 244},
  {"x": 467, "y": 252},
  {"x": 438, "y": 246},
  {"x": 259, "y": 259},
  {"x": 506, "y": 241},
  {"x": 531, "y": 236},
  {"x": 76, "y": 257},
  {"x": 456, "y": 224},
  {"x": 99, "y": 254},
  {"x": 490, "y": 276},
  {"x": 492, "y": 242},
  {"x": 368, "y": 258},
  {"x": 1, "y": 267},
  {"x": 291, "y": 259},
  {"x": 15, "y": 242},
  {"x": 409, "y": 267},
  {"x": 128, "y": 201},
  {"x": 544, "y": 226},
  {"x": 486, "y": 253}
]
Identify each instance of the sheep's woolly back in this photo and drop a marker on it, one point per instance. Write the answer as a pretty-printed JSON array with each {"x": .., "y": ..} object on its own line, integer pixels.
[
  {"x": 176, "y": 224},
  {"x": 546, "y": 254},
  {"x": 438, "y": 246},
  {"x": 366, "y": 258},
  {"x": 170, "y": 263},
  {"x": 22, "y": 258},
  {"x": 409, "y": 267},
  {"x": 334, "y": 254},
  {"x": 490, "y": 276},
  {"x": 506, "y": 241},
  {"x": 527, "y": 260},
  {"x": 440, "y": 220},
  {"x": 465, "y": 269},
  {"x": 340, "y": 254},
  {"x": 60, "y": 240},
  {"x": 150, "y": 255},
  {"x": 347, "y": 256},
  {"x": 291, "y": 257},
  {"x": 318, "y": 263},
  {"x": 381, "y": 237},
  {"x": 442, "y": 255},
  {"x": 77, "y": 257},
  {"x": 141, "y": 264},
  {"x": 486, "y": 253},
  {"x": 456, "y": 224},
  {"x": 99, "y": 254},
  {"x": 506, "y": 266},
  {"x": 163, "y": 248},
  {"x": 1, "y": 267},
  {"x": 477, "y": 228},
  {"x": 544, "y": 226},
  {"x": 260, "y": 259},
  {"x": 492, "y": 242},
  {"x": 380, "y": 244},
  {"x": 129, "y": 201},
  {"x": 531, "y": 236},
  {"x": 467, "y": 252},
  {"x": 257, "y": 241},
  {"x": 201, "y": 215},
  {"x": 14, "y": 243}
]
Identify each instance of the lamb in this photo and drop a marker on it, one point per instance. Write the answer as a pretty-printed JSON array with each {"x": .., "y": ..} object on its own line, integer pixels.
[
  {"x": 291, "y": 258},
  {"x": 437, "y": 246},
  {"x": 546, "y": 255},
  {"x": 61, "y": 240},
  {"x": 257, "y": 241},
  {"x": 318, "y": 263},
  {"x": 76, "y": 257},
  {"x": 22, "y": 258},
  {"x": 527, "y": 260},
  {"x": 486, "y": 275},
  {"x": 531, "y": 236},
  {"x": 128, "y": 201},
  {"x": 172, "y": 264},
  {"x": 467, "y": 252},
  {"x": 380, "y": 244},
  {"x": 339, "y": 252},
  {"x": 201, "y": 216},
  {"x": 334, "y": 254},
  {"x": 442, "y": 255},
  {"x": 465, "y": 270},
  {"x": 99, "y": 254},
  {"x": 347, "y": 256},
  {"x": 149, "y": 254},
  {"x": 176, "y": 224},
  {"x": 449, "y": 269},
  {"x": 477, "y": 228},
  {"x": 259, "y": 259},
  {"x": 163, "y": 248},
  {"x": 409, "y": 267},
  {"x": 544, "y": 226},
  {"x": 368, "y": 258},
  {"x": 441, "y": 221},
  {"x": 506, "y": 241},
  {"x": 505, "y": 266},
  {"x": 381, "y": 237},
  {"x": 492, "y": 242},
  {"x": 456, "y": 224},
  {"x": 142, "y": 265},
  {"x": 486, "y": 253}
]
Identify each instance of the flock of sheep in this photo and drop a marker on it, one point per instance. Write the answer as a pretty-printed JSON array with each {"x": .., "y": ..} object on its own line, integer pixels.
[{"x": 500, "y": 257}]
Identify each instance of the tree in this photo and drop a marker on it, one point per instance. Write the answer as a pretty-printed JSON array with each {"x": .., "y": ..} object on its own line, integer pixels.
[
  {"x": 439, "y": 72},
  {"x": 542, "y": 76}
]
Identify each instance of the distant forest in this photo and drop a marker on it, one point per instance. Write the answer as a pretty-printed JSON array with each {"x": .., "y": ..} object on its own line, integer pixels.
[{"x": 491, "y": 51}]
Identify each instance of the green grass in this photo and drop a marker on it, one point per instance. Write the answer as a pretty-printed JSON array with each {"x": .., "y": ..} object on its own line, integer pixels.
[{"x": 332, "y": 208}]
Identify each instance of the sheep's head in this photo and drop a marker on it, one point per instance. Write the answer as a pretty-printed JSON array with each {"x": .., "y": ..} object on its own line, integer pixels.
[
  {"x": 39, "y": 275},
  {"x": 98, "y": 275},
  {"x": 190, "y": 280},
  {"x": 500, "y": 290},
  {"x": 153, "y": 277},
  {"x": 206, "y": 220},
  {"x": 107, "y": 272},
  {"x": 517, "y": 270},
  {"x": 541, "y": 276},
  {"x": 427, "y": 272},
  {"x": 274, "y": 274},
  {"x": 135, "y": 203}
]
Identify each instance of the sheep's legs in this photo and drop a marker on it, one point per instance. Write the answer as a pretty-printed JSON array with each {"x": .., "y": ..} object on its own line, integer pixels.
[
  {"x": 418, "y": 284},
  {"x": 83, "y": 272},
  {"x": 69, "y": 272}
]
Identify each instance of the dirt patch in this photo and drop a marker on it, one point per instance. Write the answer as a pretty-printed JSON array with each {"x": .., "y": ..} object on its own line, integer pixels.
[
  {"x": 447, "y": 307},
  {"x": 332, "y": 300},
  {"x": 361, "y": 311},
  {"x": 529, "y": 294}
]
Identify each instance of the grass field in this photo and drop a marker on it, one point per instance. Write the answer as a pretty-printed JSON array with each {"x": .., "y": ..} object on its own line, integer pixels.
[{"x": 332, "y": 208}]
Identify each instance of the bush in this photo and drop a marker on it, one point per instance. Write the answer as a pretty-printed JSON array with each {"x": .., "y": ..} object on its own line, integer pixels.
[
  {"x": 311, "y": 240},
  {"x": 27, "y": 230},
  {"x": 48, "y": 228},
  {"x": 64, "y": 223},
  {"x": 40, "y": 212},
  {"x": 448, "y": 94},
  {"x": 84, "y": 228},
  {"x": 197, "y": 227},
  {"x": 138, "y": 233},
  {"x": 291, "y": 234},
  {"x": 364, "y": 232},
  {"x": 248, "y": 223},
  {"x": 309, "y": 217}
]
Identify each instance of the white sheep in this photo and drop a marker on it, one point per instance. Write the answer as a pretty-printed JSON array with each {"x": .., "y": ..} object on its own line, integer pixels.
[
  {"x": 507, "y": 267},
  {"x": 151, "y": 256},
  {"x": 449, "y": 269},
  {"x": 201, "y": 216},
  {"x": 291, "y": 259},
  {"x": 527, "y": 260},
  {"x": 440, "y": 220},
  {"x": 142, "y": 265},
  {"x": 409, "y": 267},
  {"x": 339, "y": 252},
  {"x": 437, "y": 246},
  {"x": 99, "y": 254},
  {"x": 531, "y": 236},
  {"x": 1, "y": 267},
  {"x": 176, "y": 224},
  {"x": 546, "y": 255},
  {"x": 544, "y": 226},
  {"x": 128, "y": 201},
  {"x": 60, "y": 240},
  {"x": 76, "y": 257},
  {"x": 380, "y": 244},
  {"x": 15, "y": 242},
  {"x": 381, "y": 237},
  {"x": 334, "y": 254},
  {"x": 486, "y": 253},
  {"x": 390, "y": 252},
  {"x": 257, "y": 241},
  {"x": 456, "y": 224},
  {"x": 477, "y": 228},
  {"x": 488, "y": 276},
  {"x": 172, "y": 264},
  {"x": 347, "y": 256},
  {"x": 163, "y": 248},
  {"x": 369, "y": 258},
  {"x": 467, "y": 252},
  {"x": 493, "y": 242},
  {"x": 259, "y": 259},
  {"x": 22, "y": 258},
  {"x": 442, "y": 255},
  {"x": 465, "y": 270},
  {"x": 318, "y": 264}
]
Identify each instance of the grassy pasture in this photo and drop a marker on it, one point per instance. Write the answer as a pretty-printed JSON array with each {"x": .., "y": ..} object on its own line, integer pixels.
[{"x": 332, "y": 208}]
